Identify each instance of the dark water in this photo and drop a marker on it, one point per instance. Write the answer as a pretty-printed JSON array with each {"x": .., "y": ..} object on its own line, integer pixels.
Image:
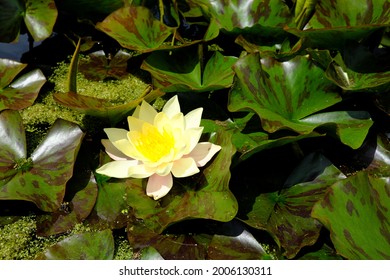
[{"x": 16, "y": 50}]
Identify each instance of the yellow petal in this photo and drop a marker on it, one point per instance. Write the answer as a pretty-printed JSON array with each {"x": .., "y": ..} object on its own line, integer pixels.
[
  {"x": 184, "y": 167},
  {"x": 159, "y": 186},
  {"x": 146, "y": 112},
  {"x": 203, "y": 152},
  {"x": 193, "y": 118},
  {"x": 113, "y": 152},
  {"x": 117, "y": 169},
  {"x": 172, "y": 107}
]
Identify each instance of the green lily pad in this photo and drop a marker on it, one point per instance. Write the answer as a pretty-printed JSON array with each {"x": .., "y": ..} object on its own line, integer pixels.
[
  {"x": 182, "y": 71},
  {"x": 135, "y": 28},
  {"x": 286, "y": 214},
  {"x": 349, "y": 80},
  {"x": 39, "y": 17},
  {"x": 22, "y": 92},
  {"x": 355, "y": 210},
  {"x": 42, "y": 177},
  {"x": 237, "y": 15},
  {"x": 343, "y": 20},
  {"x": 275, "y": 92},
  {"x": 84, "y": 246}
]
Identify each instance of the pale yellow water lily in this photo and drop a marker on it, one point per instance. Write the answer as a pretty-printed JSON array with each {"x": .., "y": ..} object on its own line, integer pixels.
[{"x": 158, "y": 145}]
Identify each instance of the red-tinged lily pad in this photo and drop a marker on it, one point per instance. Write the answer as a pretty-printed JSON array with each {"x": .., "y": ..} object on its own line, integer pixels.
[
  {"x": 23, "y": 91},
  {"x": 70, "y": 213},
  {"x": 181, "y": 71},
  {"x": 98, "y": 66},
  {"x": 343, "y": 20},
  {"x": 84, "y": 246},
  {"x": 286, "y": 214},
  {"x": 39, "y": 17},
  {"x": 42, "y": 177},
  {"x": 234, "y": 14},
  {"x": 380, "y": 157},
  {"x": 286, "y": 95},
  {"x": 136, "y": 28},
  {"x": 356, "y": 212}
]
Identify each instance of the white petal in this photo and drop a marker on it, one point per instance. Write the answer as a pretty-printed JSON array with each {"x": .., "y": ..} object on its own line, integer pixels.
[
  {"x": 135, "y": 124},
  {"x": 159, "y": 186},
  {"x": 172, "y": 107},
  {"x": 192, "y": 137},
  {"x": 146, "y": 112},
  {"x": 140, "y": 171},
  {"x": 118, "y": 138},
  {"x": 113, "y": 152},
  {"x": 117, "y": 169},
  {"x": 193, "y": 118},
  {"x": 203, "y": 152},
  {"x": 184, "y": 167}
]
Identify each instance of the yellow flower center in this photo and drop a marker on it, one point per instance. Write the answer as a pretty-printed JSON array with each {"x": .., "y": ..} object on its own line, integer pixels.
[{"x": 151, "y": 143}]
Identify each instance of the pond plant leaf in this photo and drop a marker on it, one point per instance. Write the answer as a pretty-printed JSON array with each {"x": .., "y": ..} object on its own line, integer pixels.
[
  {"x": 356, "y": 212},
  {"x": 275, "y": 92},
  {"x": 343, "y": 20},
  {"x": 236, "y": 15},
  {"x": 98, "y": 66},
  {"x": 83, "y": 246},
  {"x": 39, "y": 17},
  {"x": 22, "y": 92},
  {"x": 347, "y": 79},
  {"x": 285, "y": 214},
  {"x": 42, "y": 177},
  {"x": 182, "y": 72},
  {"x": 135, "y": 28},
  {"x": 70, "y": 213}
]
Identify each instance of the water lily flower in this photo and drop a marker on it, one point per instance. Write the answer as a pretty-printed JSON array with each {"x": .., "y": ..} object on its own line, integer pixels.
[{"x": 158, "y": 145}]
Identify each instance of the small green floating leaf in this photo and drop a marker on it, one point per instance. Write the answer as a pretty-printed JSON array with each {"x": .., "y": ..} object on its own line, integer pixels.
[
  {"x": 84, "y": 246},
  {"x": 41, "y": 178},
  {"x": 182, "y": 71},
  {"x": 135, "y": 28},
  {"x": 356, "y": 211}
]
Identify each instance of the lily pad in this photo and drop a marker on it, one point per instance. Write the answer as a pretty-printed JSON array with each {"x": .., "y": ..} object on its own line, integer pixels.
[
  {"x": 182, "y": 71},
  {"x": 42, "y": 177},
  {"x": 70, "y": 213},
  {"x": 356, "y": 211},
  {"x": 98, "y": 66},
  {"x": 136, "y": 28},
  {"x": 286, "y": 214},
  {"x": 84, "y": 246},
  {"x": 349, "y": 80},
  {"x": 275, "y": 92},
  {"x": 23, "y": 91},
  {"x": 344, "y": 21},
  {"x": 237, "y": 15},
  {"x": 39, "y": 17}
]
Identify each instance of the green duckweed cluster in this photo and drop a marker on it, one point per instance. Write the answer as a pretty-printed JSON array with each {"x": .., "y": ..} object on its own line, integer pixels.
[{"x": 18, "y": 240}]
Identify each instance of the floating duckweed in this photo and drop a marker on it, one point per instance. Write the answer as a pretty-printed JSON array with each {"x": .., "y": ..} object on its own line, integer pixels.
[
  {"x": 123, "y": 251},
  {"x": 18, "y": 240},
  {"x": 117, "y": 92}
]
